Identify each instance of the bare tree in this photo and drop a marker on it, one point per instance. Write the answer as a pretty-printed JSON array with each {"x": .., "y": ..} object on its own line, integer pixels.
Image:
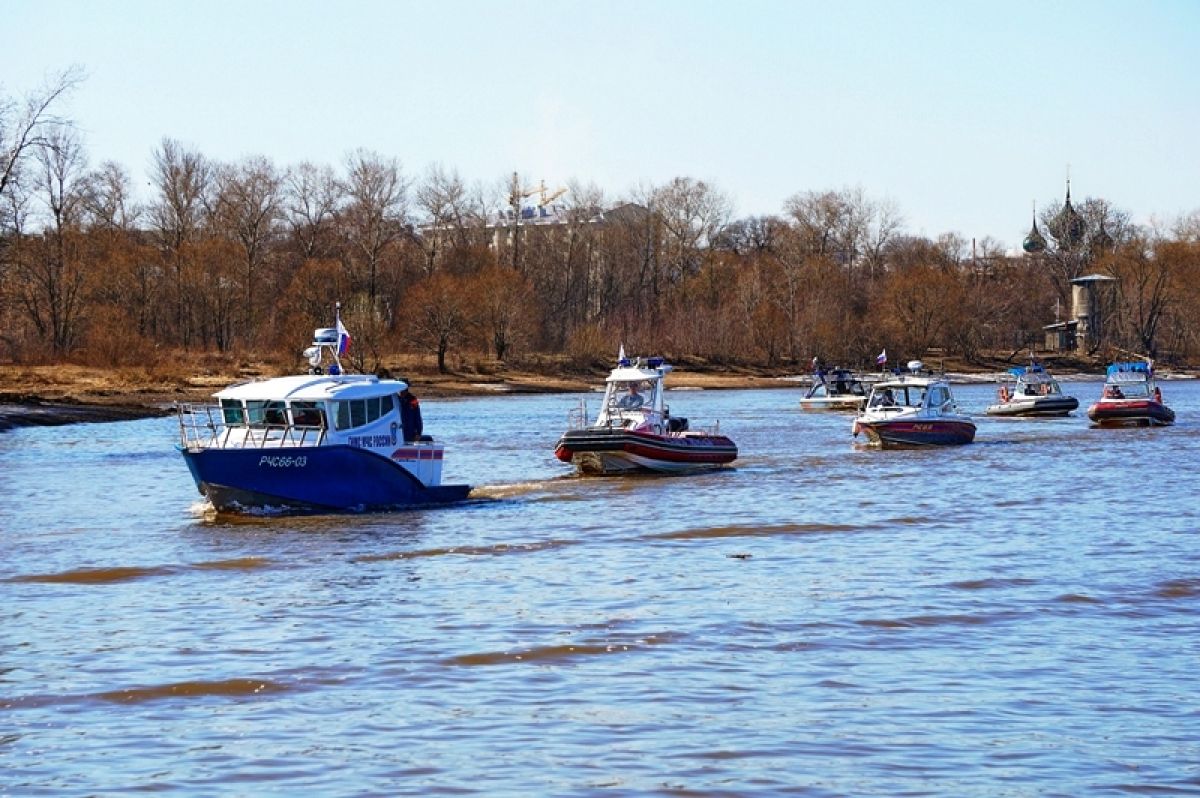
[
  {"x": 313, "y": 199},
  {"x": 182, "y": 180},
  {"x": 752, "y": 235},
  {"x": 247, "y": 210},
  {"x": 108, "y": 199},
  {"x": 133, "y": 278},
  {"x": 503, "y": 308},
  {"x": 51, "y": 274},
  {"x": 1145, "y": 274},
  {"x": 376, "y": 213},
  {"x": 443, "y": 202},
  {"x": 845, "y": 225},
  {"x": 29, "y": 125},
  {"x": 439, "y": 317},
  {"x": 693, "y": 213}
]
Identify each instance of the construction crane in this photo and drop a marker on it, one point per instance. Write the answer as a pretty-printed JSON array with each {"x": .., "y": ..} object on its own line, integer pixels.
[
  {"x": 544, "y": 198},
  {"x": 516, "y": 193}
]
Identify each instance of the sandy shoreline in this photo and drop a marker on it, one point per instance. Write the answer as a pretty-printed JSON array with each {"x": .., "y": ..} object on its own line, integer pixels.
[
  {"x": 50, "y": 414},
  {"x": 70, "y": 397}
]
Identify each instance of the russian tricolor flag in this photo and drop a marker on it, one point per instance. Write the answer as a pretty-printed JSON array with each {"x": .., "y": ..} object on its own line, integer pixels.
[
  {"x": 343, "y": 337},
  {"x": 881, "y": 358}
]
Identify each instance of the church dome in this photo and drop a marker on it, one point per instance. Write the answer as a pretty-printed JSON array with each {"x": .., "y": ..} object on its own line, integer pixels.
[
  {"x": 1069, "y": 226},
  {"x": 1034, "y": 242}
]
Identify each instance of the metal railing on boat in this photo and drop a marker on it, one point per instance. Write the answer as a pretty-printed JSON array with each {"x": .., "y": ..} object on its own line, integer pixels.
[
  {"x": 204, "y": 427},
  {"x": 578, "y": 418}
]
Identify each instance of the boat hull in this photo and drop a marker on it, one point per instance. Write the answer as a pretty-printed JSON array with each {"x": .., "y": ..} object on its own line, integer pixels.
[
  {"x": 603, "y": 451},
  {"x": 1034, "y": 406},
  {"x": 310, "y": 480},
  {"x": 1130, "y": 413},
  {"x": 902, "y": 433}
]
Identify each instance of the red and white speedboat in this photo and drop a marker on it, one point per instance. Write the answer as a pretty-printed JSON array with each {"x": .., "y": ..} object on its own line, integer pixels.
[
  {"x": 1130, "y": 399},
  {"x": 914, "y": 409},
  {"x": 634, "y": 430}
]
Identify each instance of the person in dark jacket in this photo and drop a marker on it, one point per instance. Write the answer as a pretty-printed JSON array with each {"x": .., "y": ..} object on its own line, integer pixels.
[{"x": 410, "y": 416}]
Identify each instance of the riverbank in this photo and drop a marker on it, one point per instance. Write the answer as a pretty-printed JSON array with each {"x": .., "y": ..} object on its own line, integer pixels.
[{"x": 71, "y": 394}]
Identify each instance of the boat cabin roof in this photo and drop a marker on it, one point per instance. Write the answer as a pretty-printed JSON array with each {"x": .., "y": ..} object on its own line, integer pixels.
[
  {"x": 633, "y": 373},
  {"x": 835, "y": 374},
  {"x": 312, "y": 388},
  {"x": 902, "y": 380},
  {"x": 1130, "y": 372},
  {"x": 1031, "y": 376}
]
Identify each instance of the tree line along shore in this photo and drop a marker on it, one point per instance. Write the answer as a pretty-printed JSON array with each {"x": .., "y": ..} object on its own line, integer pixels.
[{"x": 228, "y": 261}]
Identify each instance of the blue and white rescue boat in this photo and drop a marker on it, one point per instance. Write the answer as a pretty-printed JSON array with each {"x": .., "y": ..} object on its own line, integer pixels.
[
  {"x": 1031, "y": 391},
  {"x": 318, "y": 442}
]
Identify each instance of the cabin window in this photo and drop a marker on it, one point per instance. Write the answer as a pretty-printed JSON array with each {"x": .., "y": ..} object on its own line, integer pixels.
[
  {"x": 269, "y": 414},
  {"x": 232, "y": 412},
  {"x": 357, "y": 412},
  {"x": 633, "y": 394},
  {"x": 307, "y": 414}
]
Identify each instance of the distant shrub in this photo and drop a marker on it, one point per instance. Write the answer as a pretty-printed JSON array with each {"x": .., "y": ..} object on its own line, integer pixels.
[{"x": 588, "y": 346}]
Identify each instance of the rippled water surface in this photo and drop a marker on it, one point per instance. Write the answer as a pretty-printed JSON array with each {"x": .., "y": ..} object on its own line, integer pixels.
[{"x": 1016, "y": 617}]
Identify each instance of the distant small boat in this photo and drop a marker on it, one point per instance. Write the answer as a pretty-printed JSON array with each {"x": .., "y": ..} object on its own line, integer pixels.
[
  {"x": 1033, "y": 392},
  {"x": 838, "y": 389},
  {"x": 634, "y": 430},
  {"x": 1130, "y": 398},
  {"x": 914, "y": 409},
  {"x": 318, "y": 442}
]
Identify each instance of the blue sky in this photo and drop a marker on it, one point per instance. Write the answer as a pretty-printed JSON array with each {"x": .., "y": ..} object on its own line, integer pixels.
[{"x": 961, "y": 113}]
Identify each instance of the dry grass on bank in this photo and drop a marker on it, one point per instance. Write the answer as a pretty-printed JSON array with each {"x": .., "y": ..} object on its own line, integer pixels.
[{"x": 185, "y": 376}]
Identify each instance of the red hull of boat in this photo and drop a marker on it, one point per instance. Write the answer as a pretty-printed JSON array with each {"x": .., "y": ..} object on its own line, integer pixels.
[
  {"x": 627, "y": 450},
  {"x": 1131, "y": 413},
  {"x": 917, "y": 433}
]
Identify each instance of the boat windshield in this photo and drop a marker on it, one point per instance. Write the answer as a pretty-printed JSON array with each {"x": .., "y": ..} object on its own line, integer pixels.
[
  {"x": 633, "y": 394},
  {"x": 265, "y": 413},
  {"x": 1037, "y": 385},
  {"x": 1126, "y": 389},
  {"x": 897, "y": 396},
  {"x": 838, "y": 383},
  {"x": 307, "y": 414},
  {"x": 232, "y": 412},
  {"x": 842, "y": 383}
]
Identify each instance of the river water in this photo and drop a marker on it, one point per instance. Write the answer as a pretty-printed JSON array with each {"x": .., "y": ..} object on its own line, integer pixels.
[{"x": 1019, "y": 617}]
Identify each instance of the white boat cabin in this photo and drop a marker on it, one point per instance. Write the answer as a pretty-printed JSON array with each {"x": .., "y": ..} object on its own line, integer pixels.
[
  {"x": 634, "y": 398},
  {"x": 917, "y": 393},
  {"x": 1130, "y": 381},
  {"x": 1029, "y": 382},
  {"x": 358, "y": 410}
]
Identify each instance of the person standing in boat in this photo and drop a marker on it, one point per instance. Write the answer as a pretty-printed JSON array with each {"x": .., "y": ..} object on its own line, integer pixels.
[
  {"x": 410, "y": 416},
  {"x": 632, "y": 400}
]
